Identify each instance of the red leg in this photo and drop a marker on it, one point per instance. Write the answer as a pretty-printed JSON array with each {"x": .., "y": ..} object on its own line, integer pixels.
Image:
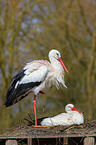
[{"x": 34, "y": 104}]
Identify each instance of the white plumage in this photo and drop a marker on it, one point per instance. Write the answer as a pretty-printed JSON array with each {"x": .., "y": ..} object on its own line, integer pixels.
[
  {"x": 73, "y": 116},
  {"x": 34, "y": 77},
  {"x": 45, "y": 72}
]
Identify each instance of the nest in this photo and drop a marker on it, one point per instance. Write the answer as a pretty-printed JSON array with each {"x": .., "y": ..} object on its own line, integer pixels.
[{"x": 29, "y": 130}]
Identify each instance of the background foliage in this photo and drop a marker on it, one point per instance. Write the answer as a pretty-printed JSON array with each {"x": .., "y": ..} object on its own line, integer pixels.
[{"x": 29, "y": 29}]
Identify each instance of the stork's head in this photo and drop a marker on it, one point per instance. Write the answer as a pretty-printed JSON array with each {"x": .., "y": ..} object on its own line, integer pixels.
[
  {"x": 55, "y": 55},
  {"x": 70, "y": 107}
]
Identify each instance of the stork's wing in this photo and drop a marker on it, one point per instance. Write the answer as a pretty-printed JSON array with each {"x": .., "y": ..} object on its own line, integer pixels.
[
  {"x": 32, "y": 76},
  {"x": 24, "y": 81},
  {"x": 60, "y": 119}
]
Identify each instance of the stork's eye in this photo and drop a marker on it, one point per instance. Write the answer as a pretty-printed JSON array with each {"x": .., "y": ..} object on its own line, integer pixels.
[
  {"x": 57, "y": 54},
  {"x": 69, "y": 107}
]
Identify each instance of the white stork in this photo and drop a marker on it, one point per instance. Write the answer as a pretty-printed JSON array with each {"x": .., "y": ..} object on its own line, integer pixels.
[
  {"x": 34, "y": 77},
  {"x": 73, "y": 116}
]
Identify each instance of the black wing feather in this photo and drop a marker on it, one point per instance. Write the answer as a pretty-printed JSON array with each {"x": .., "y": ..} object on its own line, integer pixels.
[
  {"x": 16, "y": 94},
  {"x": 14, "y": 80}
]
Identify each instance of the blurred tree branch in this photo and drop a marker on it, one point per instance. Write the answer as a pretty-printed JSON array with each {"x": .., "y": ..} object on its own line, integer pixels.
[
  {"x": 91, "y": 74},
  {"x": 84, "y": 17}
]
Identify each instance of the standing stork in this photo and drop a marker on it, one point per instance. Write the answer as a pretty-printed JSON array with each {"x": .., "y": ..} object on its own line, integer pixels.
[{"x": 34, "y": 77}]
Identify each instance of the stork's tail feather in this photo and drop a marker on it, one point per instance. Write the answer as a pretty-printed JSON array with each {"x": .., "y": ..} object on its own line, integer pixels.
[{"x": 11, "y": 93}]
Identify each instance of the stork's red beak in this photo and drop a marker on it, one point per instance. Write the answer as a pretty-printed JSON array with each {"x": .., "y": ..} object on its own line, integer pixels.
[
  {"x": 74, "y": 109},
  {"x": 60, "y": 60}
]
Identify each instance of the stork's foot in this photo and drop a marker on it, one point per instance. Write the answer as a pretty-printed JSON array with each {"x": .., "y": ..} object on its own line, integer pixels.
[
  {"x": 41, "y": 92},
  {"x": 40, "y": 126}
]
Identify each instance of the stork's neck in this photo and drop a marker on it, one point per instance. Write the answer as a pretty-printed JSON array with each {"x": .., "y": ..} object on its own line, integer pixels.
[
  {"x": 70, "y": 112},
  {"x": 73, "y": 112},
  {"x": 55, "y": 63}
]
